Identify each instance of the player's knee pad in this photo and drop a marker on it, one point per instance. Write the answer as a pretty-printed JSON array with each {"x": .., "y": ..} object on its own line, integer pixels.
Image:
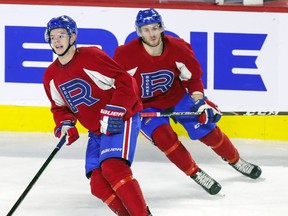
[
  {"x": 116, "y": 171},
  {"x": 99, "y": 186},
  {"x": 165, "y": 138},
  {"x": 214, "y": 138},
  {"x": 221, "y": 144},
  {"x": 101, "y": 189}
]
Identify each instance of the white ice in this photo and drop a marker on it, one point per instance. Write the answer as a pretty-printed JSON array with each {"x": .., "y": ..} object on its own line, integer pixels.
[{"x": 63, "y": 190}]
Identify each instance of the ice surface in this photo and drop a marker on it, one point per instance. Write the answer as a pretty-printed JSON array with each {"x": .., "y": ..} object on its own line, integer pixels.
[{"x": 63, "y": 190}]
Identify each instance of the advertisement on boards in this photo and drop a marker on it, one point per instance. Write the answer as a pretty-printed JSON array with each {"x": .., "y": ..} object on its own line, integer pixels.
[{"x": 243, "y": 54}]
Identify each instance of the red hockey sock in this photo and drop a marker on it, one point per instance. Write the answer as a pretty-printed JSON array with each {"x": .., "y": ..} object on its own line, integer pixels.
[
  {"x": 119, "y": 175},
  {"x": 102, "y": 190},
  {"x": 167, "y": 141},
  {"x": 221, "y": 144}
]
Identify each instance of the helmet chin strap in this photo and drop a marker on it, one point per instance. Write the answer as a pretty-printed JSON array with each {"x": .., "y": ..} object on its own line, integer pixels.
[
  {"x": 70, "y": 45},
  {"x": 63, "y": 52}
]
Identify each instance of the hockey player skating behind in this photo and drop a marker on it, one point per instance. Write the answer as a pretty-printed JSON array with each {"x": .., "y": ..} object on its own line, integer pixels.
[{"x": 169, "y": 79}]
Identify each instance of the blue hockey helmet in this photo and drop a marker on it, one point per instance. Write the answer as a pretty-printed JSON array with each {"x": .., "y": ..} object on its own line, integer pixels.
[
  {"x": 64, "y": 22},
  {"x": 147, "y": 17}
]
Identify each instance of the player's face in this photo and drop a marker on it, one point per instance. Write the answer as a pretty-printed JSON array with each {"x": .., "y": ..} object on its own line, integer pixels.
[
  {"x": 151, "y": 34},
  {"x": 59, "y": 40}
]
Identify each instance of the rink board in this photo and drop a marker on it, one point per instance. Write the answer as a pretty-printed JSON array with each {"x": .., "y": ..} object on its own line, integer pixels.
[
  {"x": 39, "y": 119},
  {"x": 253, "y": 42}
]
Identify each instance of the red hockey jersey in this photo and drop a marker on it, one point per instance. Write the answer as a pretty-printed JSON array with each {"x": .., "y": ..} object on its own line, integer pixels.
[
  {"x": 79, "y": 89},
  {"x": 162, "y": 80}
]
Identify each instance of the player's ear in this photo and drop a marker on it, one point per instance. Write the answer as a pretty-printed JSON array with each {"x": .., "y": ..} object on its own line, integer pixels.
[{"x": 73, "y": 38}]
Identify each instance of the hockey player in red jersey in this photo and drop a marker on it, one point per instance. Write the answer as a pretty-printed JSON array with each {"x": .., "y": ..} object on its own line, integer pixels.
[
  {"x": 169, "y": 79},
  {"x": 86, "y": 85}
]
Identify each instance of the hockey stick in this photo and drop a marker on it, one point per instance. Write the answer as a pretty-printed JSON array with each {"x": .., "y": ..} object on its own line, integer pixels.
[
  {"x": 170, "y": 114},
  {"x": 54, "y": 152}
]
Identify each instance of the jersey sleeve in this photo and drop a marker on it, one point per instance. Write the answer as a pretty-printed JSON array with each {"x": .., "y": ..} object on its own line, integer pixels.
[
  {"x": 191, "y": 71},
  {"x": 120, "y": 58},
  {"x": 125, "y": 91}
]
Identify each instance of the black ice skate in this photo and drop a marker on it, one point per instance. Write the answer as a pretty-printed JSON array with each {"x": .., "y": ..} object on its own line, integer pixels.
[
  {"x": 251, "y": 170},
  {"x": 206, "y": 182}
]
